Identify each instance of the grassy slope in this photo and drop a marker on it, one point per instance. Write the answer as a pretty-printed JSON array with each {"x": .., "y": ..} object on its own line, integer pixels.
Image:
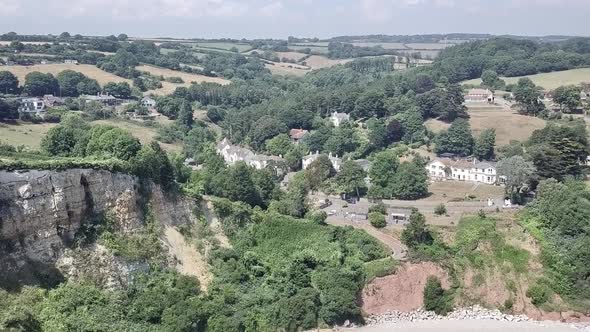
[{"x": 550, "y": 80}]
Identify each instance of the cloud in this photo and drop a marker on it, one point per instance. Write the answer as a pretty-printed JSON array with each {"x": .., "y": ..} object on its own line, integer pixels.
[{"x": 272, "y": 9}]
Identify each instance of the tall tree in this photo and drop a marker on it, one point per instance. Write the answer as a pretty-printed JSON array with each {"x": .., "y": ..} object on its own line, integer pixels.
[
  {"x": 185, "y": 116},
  {"x": 458, "y": 139},
  {"x": 38, "y": 84},
  {"x": 410, "y": 181},
  {"x": 351, "y": 178},
  {"x": 484, "y": 145},
  {"x": 568, "y": 97},
  {"x": 382, "y": 174},
  {"x": 518, "y": 174},
  {"x": 8, "y": 83},
  {"x": 528, "y": 96},
  {"x": 319, "y": 171}
]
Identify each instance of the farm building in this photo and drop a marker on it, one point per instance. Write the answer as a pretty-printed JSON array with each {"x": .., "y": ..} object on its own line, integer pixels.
[
  {"x": 479, "y": 95},
  {"x": 462, "y": 170},
  {"x": 298, "y": 134},
  {"x": 71, "y": 61},
  {"x": 337, "y": 118},
  {"x": 310, "y": 158}
]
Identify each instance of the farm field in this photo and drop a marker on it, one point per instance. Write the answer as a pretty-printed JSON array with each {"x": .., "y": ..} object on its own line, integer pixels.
[
  {"x": 428, "y": 46},
  {"x": 387, "y": 46},
  {"x": 291, "y": 55},
  {"x": 168, "y": 88},
  {"x": 89, "y": 70},
  {"x": 317, "y": 62},
  {"x": 224, "y": 46},
  {"x": 287, "y": 69},
  {"x": 508, "y": 125},
  {"x": 551, "y": 80},
  {"x": 144, "y": 134},
  {"x": 314, "y": 49},
  {"x": 24, "y": 133}
]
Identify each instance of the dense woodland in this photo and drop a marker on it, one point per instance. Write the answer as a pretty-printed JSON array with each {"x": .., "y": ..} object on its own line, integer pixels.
[{"x": 288, "y": 270}]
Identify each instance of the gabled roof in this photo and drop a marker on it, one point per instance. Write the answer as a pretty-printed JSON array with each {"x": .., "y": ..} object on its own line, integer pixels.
[
  {"x": 340, "y": 116},
  {"x": 485, "y": 164},
  {"x": 486, "y": 92},
  {"x": 297, "y": 133}
]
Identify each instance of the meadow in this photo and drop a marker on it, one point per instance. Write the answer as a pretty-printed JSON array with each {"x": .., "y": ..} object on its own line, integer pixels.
[
  {"x": 551, "y": 80},
  {"x": 24, "y": 133}
]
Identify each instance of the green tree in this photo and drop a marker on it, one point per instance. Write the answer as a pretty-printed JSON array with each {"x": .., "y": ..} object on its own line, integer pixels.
[
  {"x": 8, "y": 109},
  {"x": 343, "y": 139},
  {"x": 351, "y": 178},
  {"x": 568, "y": 97},
  {"x": 279, "y": 145},
  {"x": 319, "y": 171},
  {"x": 38, "y": 84},
  {"x": 119, "y": 90},
  {"x": 68, "y": 82},
  {"x": 416, "y": 233},
  {"x": 59, "y": 141},
  {"x": 265, "y": 128},
  {"x": 484, "y": 145},
  {"x": 185, "y": 117},
  {"x": 151, "y": 162},
  {"x": 457, "y": 140},
  {"x": 112, "y": 142},
  {"x": 410, "y": 181},
  {"x": 88, "y": 87},
  {"x": 518, "y": 174},
  {"x": 382, "y": 174},
  {"x": 8, "y": 83},
  {"x": 528, "y": 96},
  {"x": 491, "y": 80},
  {"x": 436, "y": 298},
  {"x": 377, "y": 220},
  {"x": 238, "y": 185}
]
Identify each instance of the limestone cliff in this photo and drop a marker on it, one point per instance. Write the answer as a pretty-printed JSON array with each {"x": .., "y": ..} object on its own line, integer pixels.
[{"x": 41, "y": 211}]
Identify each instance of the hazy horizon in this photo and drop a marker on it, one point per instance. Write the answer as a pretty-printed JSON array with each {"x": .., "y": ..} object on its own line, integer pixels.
[{"x": 306, "y": 18}]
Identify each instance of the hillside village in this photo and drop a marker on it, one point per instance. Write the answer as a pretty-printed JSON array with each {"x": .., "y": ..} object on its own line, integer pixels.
[{"x": 159, "y": 184}]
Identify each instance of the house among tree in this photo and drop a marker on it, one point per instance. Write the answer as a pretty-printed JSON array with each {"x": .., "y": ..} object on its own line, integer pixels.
[
  {"x": 32, "y": 105},
  {"x": 310, "y": 158},
  {"x": 71, "y": 61},
  {"x": 148, "y": 102},
  {"x": 297, "y": 135},
  {"x": 233, "y": 153},
  {"x": 104, "y": 99},
  {"x": 462, "y": 170},
  {"x": 479, "y": 96},
  {"x": 337, "y": 118}
]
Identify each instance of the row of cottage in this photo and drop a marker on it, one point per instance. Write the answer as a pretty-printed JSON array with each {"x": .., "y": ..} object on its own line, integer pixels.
[
  {"x": 442, "y": 169},
  {"x": 40, "y": 105}
]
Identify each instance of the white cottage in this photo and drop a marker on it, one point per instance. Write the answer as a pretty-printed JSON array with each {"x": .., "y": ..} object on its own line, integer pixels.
[
  {"x": 338, "y": 118},
  {"x": 232, "y": 154},
  {"x": 310, "y": 158},
  {"x": 462, "y": 170}
]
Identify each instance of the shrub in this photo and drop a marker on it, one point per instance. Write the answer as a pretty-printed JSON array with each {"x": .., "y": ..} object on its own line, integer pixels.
[
  {"x": 436, "y": 298},
  {"x": 318, "y": 217},
  {"x": 377, "y": 220},
  {"x": 378, "y": 208},
  {"x": 440, "y": 209},
  {"x": 539, "y": 294}
]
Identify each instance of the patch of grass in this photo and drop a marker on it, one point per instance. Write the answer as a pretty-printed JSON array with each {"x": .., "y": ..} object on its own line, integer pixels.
[
  {"x": 551, "y": 80},
  {"x": 379, "y": 268}
]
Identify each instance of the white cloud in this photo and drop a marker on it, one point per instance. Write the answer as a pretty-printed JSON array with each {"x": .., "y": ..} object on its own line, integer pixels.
[{"x": 272, "y": 9}]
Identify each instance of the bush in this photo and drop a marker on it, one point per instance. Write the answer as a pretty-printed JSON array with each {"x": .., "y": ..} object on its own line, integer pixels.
[
  {"x": 436, "y": 298},
  {"x": 378, "y": 208},
  {"x": 539, "y": 294},
  {"x": 377, "y": 220},
  {"x": 440, "y": 209},
  {"x": 318, "y": 217}
]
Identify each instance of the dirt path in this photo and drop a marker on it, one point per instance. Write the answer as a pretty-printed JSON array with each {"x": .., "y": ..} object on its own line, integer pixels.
[
  {"x": 188, "y": 259},
  {"x": 398, "y": 249}
]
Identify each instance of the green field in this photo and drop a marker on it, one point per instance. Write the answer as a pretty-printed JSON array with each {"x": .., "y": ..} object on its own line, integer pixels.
[
  {"x": 24, "y": 133},
  {"x": 224, "y": 46},
  {"x": 387, "y": 46},
  {"x": 549, "y": 81}
]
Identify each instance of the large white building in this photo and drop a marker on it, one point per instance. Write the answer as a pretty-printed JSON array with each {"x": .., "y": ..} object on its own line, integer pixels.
[
  {"x": 232, "y": 154},
  {"x": 462, "y": 170},
  {"x": 32, "y": 105},
  {"x": 311, "y": 157},
  {"x": 338, "y": 118}
]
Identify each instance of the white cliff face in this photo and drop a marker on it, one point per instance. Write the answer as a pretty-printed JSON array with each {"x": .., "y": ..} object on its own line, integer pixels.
[{"x": 41, "y": 211}]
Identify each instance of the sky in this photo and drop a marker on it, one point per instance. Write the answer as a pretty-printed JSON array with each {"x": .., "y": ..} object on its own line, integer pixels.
[{"x": 302, "y": 18}]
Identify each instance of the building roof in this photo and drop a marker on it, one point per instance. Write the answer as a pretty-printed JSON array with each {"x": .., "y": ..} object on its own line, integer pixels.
[
  {"x": 364, "y": 164},
  {"x": 485, "y": 92},
  {"x": 243, "y": 153},
  {"x": 98, "y": 98},
  {"x": 297, "y": 133},
  {"x": 464, "y": 163},
  {"x": 340, "y": 116},
  {"x": 485, "y": 164}
]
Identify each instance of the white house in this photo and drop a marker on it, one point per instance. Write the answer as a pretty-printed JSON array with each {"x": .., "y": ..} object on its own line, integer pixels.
[
  {"x": 232, "y": 154},
  {"x": 71, "y": 61},
  {"x": 462, "y": 170},
  {"x": 337, "y": 118},
  {"x": 148, "y": 102},
  {"x": 32, "y": 105},
  {"x": 479, "y": 95},
  {"x": 310, "y": 158}
]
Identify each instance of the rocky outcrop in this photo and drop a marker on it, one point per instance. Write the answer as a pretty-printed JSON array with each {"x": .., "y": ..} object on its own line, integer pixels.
[{"x": 41, "y": 212}]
